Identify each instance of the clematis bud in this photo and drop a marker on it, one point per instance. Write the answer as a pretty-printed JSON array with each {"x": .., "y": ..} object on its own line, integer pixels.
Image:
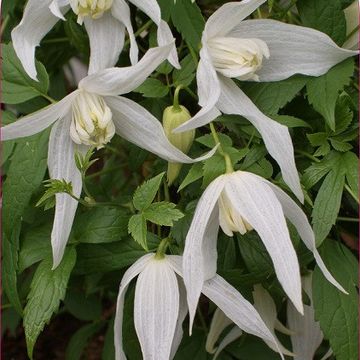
[
  {"x": 93, "y": 8},
  {"x": 229, "y": 218},
  {"x": 238, "y": 58},
  {"x": 173, "y": 117},
  {"x": 91, "y": 120}
]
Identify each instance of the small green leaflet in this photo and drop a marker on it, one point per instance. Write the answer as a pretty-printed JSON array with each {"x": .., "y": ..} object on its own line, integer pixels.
[
  {"x": 195, "y": 173},
  {"x": 186, "y": 74},
  {"x": 138, "y": 229},
  {"x": 162, "y": 213},
  {"x": 338, "y": 312},
  {"x": 16, "y": 84},
  {"x": 152, "y": 88},
  {"x": 324, "y": 90},
  {"x": 48, "y": 288}
]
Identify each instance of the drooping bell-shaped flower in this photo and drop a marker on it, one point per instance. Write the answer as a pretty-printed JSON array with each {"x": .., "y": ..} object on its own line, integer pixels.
[
  {"x": 257, "y": 50},
  {"x": 105, "y": 22},
  {"x": 160, "y": 307},
  {"x": 90, "y": 116},
  {"x": 250, "y": 202}
]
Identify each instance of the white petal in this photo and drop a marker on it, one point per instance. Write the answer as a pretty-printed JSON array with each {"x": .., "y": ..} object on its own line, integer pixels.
[
  {"x": 237, "y": 308},
  {"x": 183, "y": 310},
  {"x": 199, "y": 259},
  {"x": 150, "y": 8},
  {"x": 134, "y": 123},
  {"x": 219, "y": 323},
  {"x": 327, "y": 355},
  {"x": 266, "y": 307},
  {"x": 307, "y": 335},
  {"x": 293, "y": 49},
  {"x": 208, "y": 92},
  {"x": 164, "y": 37},
  {"x": 156, "y": 309},
  {"x": 258, "y": 205},
  {"x": 117, "y": 81},
  {"x": 231, "y": 336},
  {"x": 38, "y": 121},
  {"x": 228, "y": 16},
  {"x": 298, "y": 218},
  {"x": 276, "y": 136},
  {"x": 59, "y": 8},
  {"x": 121, "y": 11},
  {"x": 106, "y": 36},
  {"x": 130, "y": 273},
  {"x": 35, "y": 24},
  {"x": 61, "y": 165}
]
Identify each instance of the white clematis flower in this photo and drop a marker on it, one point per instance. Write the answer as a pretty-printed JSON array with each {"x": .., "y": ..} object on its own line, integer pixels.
[
  {"x": 105, "y": 22},
  {"x": 250, "y": 202},
  {"x": 160, "y": 307},
  {"x": 90, "y": 116},
  {"x": 266, "y": 307},
  {"x": 306, "y": 334},
  {"x": 258, "y": 50}
]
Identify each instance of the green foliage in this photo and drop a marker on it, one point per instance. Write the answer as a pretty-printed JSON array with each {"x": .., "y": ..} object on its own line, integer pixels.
[
  {"x": 48, "y": 288},
  {"x": 338, "y": 312},
  {"x": 153, "y": 88},
  {"x": 16, "y": 84}
]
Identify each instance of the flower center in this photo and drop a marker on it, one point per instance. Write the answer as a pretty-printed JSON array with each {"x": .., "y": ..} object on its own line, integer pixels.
[
  {"x": 93, "y": 8},
  {"x": 238, "y": 58},
  {"x": 230, "y": 220},
  {"x": 91, "y": 120}
]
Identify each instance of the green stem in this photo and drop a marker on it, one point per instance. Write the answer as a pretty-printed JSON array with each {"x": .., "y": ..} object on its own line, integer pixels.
[
  {"x": 346, "y": 219},
  {"x": 348, "y": 189},
  {"x": 176, "y": 105},
  {"x": 139, "y": 31},
  {"x": 48, "y": 98},
  {"x": 309, "y": 156},
  {"x": 56, "y": 41},
  {"x": 352, "y": 33},
  {"x": 161, "y": 250},
  {"x": 4, "y": 24},
  {"x": 228, "y": 164},
  {"x": 166, "y": 191},
  {"x": 193, "y": 55},
  {"x": 191, "y": 93}
]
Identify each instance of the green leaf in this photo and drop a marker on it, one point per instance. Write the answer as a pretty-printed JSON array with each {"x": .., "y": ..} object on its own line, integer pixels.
[
  {"x": 100, "y": 225},
  {"x": 48, "y": 288},
  {"x": 195, "y": 173},
  {"x": 163, "y": 213},
  {"x": 25, "y": 174},
  {"x": 338, "y": 312},
  {"x": 327, "y": 203},
  {"x": 324, "y": 90},
  {"x": 7, "y": 146},
  {"x": 145, "y": 193},
  {"x": 86, "y": 308},
  {"x": 186, "y": 74},
  {"x": 213, "y": 168},
  {"x": 97, "y": 258},
  {"x": 270, "y": 97},
  {"x": 80, "y": 339},
  {"x": 189, "y": 22},
  {"x": 324, "y": 15},
  {"x": 152, "y": 88},
  {"x": 340, "y": 145},
  {"x": 108, "y": 352},
  {"x": 290, "y": 121},
  {"x": 137, "y": 229},
  {"x": 208, "y": 140},
  {"x": 16, "y": 84},
  {"x": 351, "y": 165}
]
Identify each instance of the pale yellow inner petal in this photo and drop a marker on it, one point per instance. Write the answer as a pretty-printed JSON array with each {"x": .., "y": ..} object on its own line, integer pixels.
[{"x": 93, "y": 8}]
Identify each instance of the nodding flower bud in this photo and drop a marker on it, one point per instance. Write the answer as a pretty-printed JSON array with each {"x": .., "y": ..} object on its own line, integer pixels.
[
  {"x": 93, "y": 8},
  {"x": 91, "y": 120},
  {"x": 238, "y": 58},
  {"x": 173, "y": 117}
]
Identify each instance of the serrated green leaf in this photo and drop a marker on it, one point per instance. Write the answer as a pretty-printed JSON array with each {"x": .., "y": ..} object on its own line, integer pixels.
[
  {"x": 17, "y": 86},
  {"x": 25, "y": 174},
  {"x": 324, "y": 90},
  {"x": 100, "y": 225},
  {"x": 162, "y": 213},
  {"x": 262, "y": 168},
  {"x": 189, "y": 22},
  {"x": 79, "y": 340},
  {"x": 340, "y": 145},
  {"x": 145, "y": 193},
  {"x": 195, "y": 173},
  {"x": 327, "y": 203},
  {"x": 137, "y": 229},
  {"x": 338, "y": 312},
  {"x": 270, "y": 97},
  {"x": 209, "y": 142},
  {"x": 290, "y": 121},
  {"x": 152, "y": 88},
  {"x": 213, "y": 168},
  {"x": 186, "y": 74},
  {"x": 324, "y": 15},
  {"x": 48, "y": 288},
  {"x": 351, "y": 166}
]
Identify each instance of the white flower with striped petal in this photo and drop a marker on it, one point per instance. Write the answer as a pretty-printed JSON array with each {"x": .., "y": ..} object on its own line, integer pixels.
[
  {"x": 257, "y": 50},
  {"x": 160, "y": 307},
  {"x": 250, "y": 202},
  {"x": 105, "y": 22},
  {"x": 306, "y": 334},
  {"x": 91, "y": 115}
]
